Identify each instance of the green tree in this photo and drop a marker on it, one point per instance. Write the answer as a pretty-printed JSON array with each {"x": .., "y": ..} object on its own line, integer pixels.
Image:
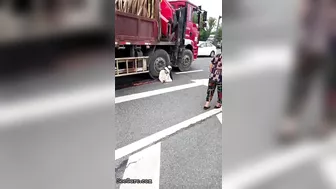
[
  {"x": 218, "y": 34},
  {"x": 206, "y": 32},
  {"x": 195, "y": 18}
]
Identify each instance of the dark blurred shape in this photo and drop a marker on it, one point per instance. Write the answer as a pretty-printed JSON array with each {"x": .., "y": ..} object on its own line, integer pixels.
[
  {"x": 34, "y": 33},
  {"x": 56, "y": 54},
  {"x": 230, "y": 8},
  {"x": 315, "y": 60},
  {"x": 22, "y": 6}
]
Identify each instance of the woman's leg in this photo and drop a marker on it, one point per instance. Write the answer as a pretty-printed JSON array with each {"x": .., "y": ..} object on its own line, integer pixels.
[
  {"x": 304, "y": 73},
  {"x": 306, "y": 70},
  {"x": 219, "y": 92},
  {"x": 330, "y": 84},
  {"x": 210, "y": 92}
]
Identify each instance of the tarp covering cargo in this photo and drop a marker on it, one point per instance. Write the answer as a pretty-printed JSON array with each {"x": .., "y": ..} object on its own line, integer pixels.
[{"x": 144, "y": 8}]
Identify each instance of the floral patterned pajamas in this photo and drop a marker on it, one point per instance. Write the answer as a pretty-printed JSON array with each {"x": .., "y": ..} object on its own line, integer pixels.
[{"x": 211, "y": 90}]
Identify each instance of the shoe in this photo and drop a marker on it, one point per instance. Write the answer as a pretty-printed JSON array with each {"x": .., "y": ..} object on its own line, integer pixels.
[
  {"x": 217, "y": 107},
  {"x": 206, "y": 107}
]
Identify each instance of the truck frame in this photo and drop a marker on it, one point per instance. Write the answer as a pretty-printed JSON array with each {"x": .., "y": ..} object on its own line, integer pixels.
[{"x": 167, "y": 36}]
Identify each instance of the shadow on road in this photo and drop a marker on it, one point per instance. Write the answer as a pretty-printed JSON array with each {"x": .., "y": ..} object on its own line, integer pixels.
[{"x": 133, "y": 80}]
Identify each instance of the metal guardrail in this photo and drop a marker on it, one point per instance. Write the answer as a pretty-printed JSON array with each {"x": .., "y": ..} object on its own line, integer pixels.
[{"x": 131, "y": 66}]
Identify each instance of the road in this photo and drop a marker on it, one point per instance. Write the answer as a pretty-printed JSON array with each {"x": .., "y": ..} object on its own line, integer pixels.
[
  {"x": 60, "y": 125},
  {"x": 59, "y": 134},
  {"x": 180, "y": 151},
  {"x": 211, "y": 154},
  {"x": 156, "y": 139}
]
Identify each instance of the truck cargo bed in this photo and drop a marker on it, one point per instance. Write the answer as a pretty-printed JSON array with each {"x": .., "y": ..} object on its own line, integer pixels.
[{"x": 133, "y": 29}]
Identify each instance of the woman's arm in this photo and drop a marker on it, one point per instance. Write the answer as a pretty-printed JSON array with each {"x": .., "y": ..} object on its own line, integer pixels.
[
  {"x": 212, "y": 64},
  {"x": 210, "y": 67}
]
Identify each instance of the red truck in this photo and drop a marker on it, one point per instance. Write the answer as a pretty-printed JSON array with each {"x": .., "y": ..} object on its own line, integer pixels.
[{"x": 154, "y": 34}]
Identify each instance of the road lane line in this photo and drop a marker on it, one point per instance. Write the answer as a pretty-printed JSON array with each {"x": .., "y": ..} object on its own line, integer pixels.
[
  {"x": 156, "y": 137},
  {"x": 219, "y": 116},
  {"x": 193, "y": 71},
  {"x": 144, "y": 165},
  {"x": 201, "y": 81},
  {"x": 155, "y": 92},
  {"x": 43, "y": 106},
  {"x": 21, "y": 112},
  {"x": 252, "y": 174},
  {"x": 328, "y": 170},
  {"x": 254, "y": 62}
]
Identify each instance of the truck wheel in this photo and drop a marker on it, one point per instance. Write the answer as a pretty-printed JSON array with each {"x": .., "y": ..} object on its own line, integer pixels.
[
  {"x": 212, "y": 54},
  {"x": 187, "y": 59},
  {"x": 157, "y": 62}
]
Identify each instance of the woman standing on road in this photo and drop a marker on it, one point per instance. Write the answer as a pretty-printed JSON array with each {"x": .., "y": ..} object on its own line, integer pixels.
[{"x": 215, "y": 80}]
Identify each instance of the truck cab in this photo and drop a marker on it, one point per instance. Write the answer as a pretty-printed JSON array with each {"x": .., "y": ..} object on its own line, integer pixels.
[{"x": 193, "y": 25}]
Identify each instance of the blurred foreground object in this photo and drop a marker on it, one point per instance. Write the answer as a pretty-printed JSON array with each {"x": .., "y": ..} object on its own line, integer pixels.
[
  {"x": 56, "y": 130},
  {"x": 23, "y": 20},
  {"x": 38, "y": 30},
  {"x": 315, "y": 59}
]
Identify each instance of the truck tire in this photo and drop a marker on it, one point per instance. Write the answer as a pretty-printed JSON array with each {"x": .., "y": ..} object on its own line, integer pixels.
[
  {"x": 212, "y": 54},
  {"x": 158, "y": 60},
  {"x": 187, "y": 59}
]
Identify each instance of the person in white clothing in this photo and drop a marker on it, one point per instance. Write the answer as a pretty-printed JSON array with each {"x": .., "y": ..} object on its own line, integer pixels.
[{"x": 165, "y": 75}]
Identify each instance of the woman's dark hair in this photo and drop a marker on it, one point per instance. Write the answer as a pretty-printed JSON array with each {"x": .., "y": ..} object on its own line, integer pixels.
[{"x": 216, "y": 58}]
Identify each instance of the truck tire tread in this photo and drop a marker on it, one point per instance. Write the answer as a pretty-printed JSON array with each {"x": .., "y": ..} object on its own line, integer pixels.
[
  {"x": 153, "y": 72},
  {"x": 182, "y": 67}
]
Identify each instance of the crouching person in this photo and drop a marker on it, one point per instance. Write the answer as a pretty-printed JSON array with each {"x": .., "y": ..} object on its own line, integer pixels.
[{"x": 166, "y": 75}]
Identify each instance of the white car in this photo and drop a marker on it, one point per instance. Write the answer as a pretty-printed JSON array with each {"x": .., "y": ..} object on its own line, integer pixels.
[{"x": 206, "y": 49}]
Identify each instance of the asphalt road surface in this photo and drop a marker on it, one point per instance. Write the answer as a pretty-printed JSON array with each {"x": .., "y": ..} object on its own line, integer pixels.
[
  {"x": 62, "y": 119},
  {"x": 187, "y": 157},
  {"x": 193, "y": 149},
  {"x": 162, "y": 132},
  {"x": 215, "y": 154}
]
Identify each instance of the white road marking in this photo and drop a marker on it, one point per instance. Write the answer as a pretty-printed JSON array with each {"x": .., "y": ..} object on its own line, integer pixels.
[
  {"x": 219, "y": 116},
  {"x": 156, "y": 137},
  {"x": 259, "y": 59},
  {"x": 155, "y": 92},
  {"x": 328, "y": 170},
  {"x": 193, "y": 71},
  {"x": 201, "y": 81},
  {"x": 268, "y": 53},
  {"x": 144, "y": 165},
  {"x": 255, "y": 173},
  {"x": 256, "y": 61},
  {"x": 21, "y": 112},
  {"x": 43, "y": 106},
  {"x": 328, "y": 165}
]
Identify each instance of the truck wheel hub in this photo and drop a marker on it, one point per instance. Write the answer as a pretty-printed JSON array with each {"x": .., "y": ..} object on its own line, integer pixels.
[
  {"x": 186, "y": 61},
  {"x": 159, "y": 64}
]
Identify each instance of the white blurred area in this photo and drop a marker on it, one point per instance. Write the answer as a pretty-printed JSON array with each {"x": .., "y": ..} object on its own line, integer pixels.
[
  {"x": 259, "y": 45},
  {"x": 56, "y": 94}
]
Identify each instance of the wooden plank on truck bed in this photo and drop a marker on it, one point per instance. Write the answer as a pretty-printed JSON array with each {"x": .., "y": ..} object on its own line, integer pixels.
[{"x": 145, "y": 8}]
